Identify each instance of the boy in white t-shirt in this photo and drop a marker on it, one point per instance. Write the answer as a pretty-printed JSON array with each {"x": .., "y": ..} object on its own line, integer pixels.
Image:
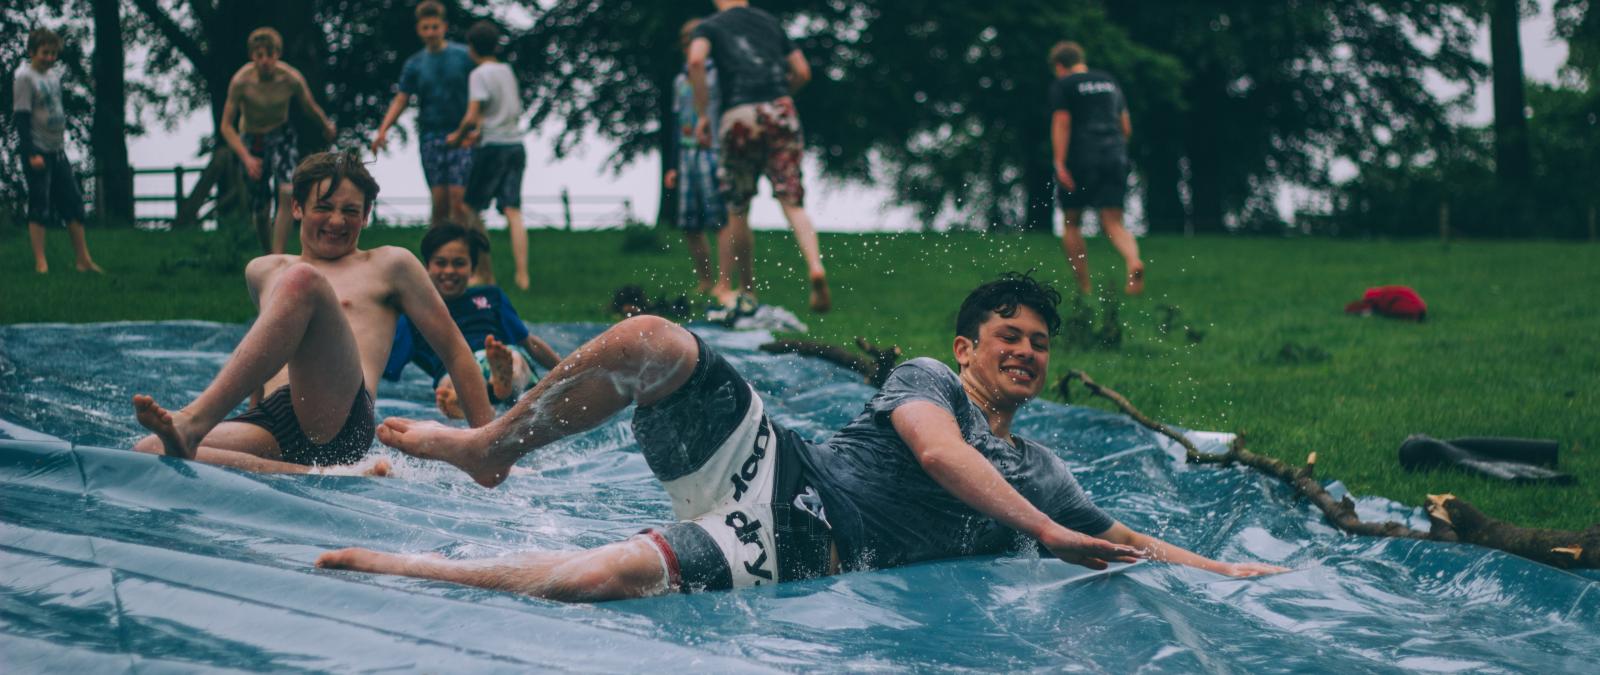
[{"x": 494, "y": 106}]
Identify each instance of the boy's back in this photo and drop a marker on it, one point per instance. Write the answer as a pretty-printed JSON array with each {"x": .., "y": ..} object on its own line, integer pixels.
[{"x": 495, "y": 86}]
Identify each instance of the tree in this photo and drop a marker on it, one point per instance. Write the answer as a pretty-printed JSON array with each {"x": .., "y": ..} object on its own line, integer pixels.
[
  {"x": 109, "y": 135},
  {"x": 1513, "y": 162}
]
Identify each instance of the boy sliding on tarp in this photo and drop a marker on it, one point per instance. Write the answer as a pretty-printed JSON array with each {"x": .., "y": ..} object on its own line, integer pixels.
[
  {"x": 484, "y": 316},
  {"x": 327, "y": 319}
]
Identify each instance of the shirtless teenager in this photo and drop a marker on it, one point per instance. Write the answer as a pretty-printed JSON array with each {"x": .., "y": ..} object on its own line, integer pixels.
[
  {"x": 255, "y": 123},
  {"x": 929, "y": 470},
  {"x": 327, "y": 318}
]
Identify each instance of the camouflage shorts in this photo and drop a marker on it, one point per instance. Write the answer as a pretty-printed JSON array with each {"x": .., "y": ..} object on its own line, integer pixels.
[{"x": 760, "y": 138}]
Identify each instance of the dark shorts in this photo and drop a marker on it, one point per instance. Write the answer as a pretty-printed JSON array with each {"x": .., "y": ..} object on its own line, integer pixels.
[
  {"x": 276, "y": 415},
  {"x": 757, "y": 139},
  {"x": 1102, "y": 184},
  {"x": 279, "y": 153},
  {"x": 53, "y": 196},
  {"x": 699, "y": 200},
  {"x": 496, "y": 176},
  {"x": 443, "y": 165},
  {"x": 749, "y": 514}
]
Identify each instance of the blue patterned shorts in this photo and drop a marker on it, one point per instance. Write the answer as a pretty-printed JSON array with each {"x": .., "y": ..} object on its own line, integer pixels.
[
  {"x": 442, "y": 164},
  {"x": 699, "y": 201}
]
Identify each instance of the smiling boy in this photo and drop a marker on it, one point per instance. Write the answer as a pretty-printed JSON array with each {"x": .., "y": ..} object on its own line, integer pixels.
[
  {"x": 326, "y": 321},
  {"x": 501, "y": 344}
]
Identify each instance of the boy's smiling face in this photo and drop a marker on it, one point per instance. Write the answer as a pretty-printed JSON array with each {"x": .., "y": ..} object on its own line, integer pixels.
[
  {"x": 431, "y": 30},
  {"x": 44, "y": 57},
  {"x": 331, "y": 224},
  {"x": 450, "y": 269}
]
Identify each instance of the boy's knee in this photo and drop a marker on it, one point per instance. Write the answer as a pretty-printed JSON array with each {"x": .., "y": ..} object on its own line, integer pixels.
[
  {"x": 301, "y": 279},
  {"x": 660, "y": 337}
]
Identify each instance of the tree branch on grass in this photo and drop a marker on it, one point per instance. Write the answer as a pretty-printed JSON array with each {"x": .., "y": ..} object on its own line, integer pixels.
[
  {"x": 1452, "y": 518},
  {"x": 874, "y": 367}
]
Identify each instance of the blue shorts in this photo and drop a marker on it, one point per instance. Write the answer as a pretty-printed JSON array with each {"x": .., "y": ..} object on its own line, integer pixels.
[
  {"x": 443, "y": 165},
  {"x": 699, "y": 201},
  {"x": 53, "y": 196},
  {"x": 496, "y": 176}
]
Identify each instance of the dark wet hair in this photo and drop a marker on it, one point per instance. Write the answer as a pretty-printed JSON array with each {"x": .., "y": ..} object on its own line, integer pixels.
[
  {"x": 339, "y": 166},
  {"x": 430, "y": 9},
  {"x": 1003, "y": 296},
  {"x": 443, "y": 234},
  {"x": 484, "y": 38},
  {"x": 1067, "y": 54}
]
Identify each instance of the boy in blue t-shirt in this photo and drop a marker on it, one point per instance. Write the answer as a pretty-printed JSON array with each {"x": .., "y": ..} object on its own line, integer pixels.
[
  {"x": 486, "y": 319},
  {"x": 437, "y": 76}
]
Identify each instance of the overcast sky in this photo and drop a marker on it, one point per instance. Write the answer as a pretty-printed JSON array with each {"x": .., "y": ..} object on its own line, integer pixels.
[{"x": 833, "y": 207}]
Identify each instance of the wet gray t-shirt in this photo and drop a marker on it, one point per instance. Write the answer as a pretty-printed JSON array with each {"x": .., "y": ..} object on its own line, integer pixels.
[
  {"x": 39, "y": 94},
  {"x": 886, "y": 510},
  {"x": 494, "y": 86}
]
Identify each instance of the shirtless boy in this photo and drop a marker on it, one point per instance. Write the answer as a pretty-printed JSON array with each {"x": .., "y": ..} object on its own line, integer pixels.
[
  {"x": 327, "y": 317},
  {"x": 500, "y": 342},
  {"x": 255, "y": 123},
  {"x": 929, "y": 470}
]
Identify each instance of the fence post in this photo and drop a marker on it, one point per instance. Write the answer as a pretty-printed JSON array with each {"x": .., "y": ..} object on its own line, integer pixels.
[
  {"x": 1591, "y": 223},
  {"x": 1444, "y": 221},
  {"x": 177, "y": 189},
  {"x": 627, "y": 209},
  {"x": 566, "y": 207}
]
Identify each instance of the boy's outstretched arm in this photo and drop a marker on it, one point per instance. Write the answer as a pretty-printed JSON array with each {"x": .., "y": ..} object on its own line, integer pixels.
[
  {"x": 1156, "y": 549},
  {"x": 422, "y": 304}
]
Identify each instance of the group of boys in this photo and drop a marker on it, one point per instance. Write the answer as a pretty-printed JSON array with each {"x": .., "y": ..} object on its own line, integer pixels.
[{"x": 929, "y": 470}]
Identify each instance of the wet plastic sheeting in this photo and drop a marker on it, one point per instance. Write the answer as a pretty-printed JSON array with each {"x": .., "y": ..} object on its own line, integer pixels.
[{"x": 113, "y": 560}]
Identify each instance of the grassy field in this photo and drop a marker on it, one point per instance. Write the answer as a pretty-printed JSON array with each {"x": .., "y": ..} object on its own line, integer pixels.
[{"x": 1511, "y": 348}]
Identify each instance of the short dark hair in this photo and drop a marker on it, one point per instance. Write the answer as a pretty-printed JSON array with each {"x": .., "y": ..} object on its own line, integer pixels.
[
  {"x": 1068, "y": 54},
  {"x": 339, "y": 166},
  {"x": 264, "y": 37},
  {"x": 1003, "y": 296},
  {"x": 484, "y": 38},
  {"x": 445, "y": 233},
  {"x": 430, "y": 9},
  {"x": 42, "y": 37}
]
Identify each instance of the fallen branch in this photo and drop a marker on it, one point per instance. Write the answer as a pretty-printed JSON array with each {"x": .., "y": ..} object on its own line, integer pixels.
[
  {"x": 874, "y": 367},
  {"x": 1452, "y": 518}
]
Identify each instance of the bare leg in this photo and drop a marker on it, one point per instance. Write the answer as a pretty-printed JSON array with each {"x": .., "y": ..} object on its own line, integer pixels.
[
  {"x": 80, "y": 249},
  {"x": 700, "y": 253},
  {"x": 639, "y": 360},
  {"x": 441, "y": 206},
  {"x": 301, "y": 326},
  {"x": 519, "y": 246},
  {"x": 805, "y": 235},
  {"x": 1111, "y": 222},
  {"x": 631, "y": 568},
  {"x": 283, "y": 219},
  {"x": 446, "y": 399},
  {"x": 241, "y": 446},
  {"x": 457, "y": 211},
  {"x": 261, "y": 217},
  {"x": 483, "y": 275},
  {"x": 1072, "y": 244},
  {"x": 36, "y": 238},
  {"x": 735, "y": 251}
]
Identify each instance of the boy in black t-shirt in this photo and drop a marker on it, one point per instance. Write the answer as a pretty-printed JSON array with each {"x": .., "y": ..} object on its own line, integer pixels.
[{"x": 1089, "y": 130}]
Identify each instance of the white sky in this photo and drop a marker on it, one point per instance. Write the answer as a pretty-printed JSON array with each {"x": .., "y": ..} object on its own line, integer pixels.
[{"x": 833, "y": 207}]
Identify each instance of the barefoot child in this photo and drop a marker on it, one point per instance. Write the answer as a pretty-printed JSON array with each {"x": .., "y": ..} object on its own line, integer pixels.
[
  {"x": 504, "y": 349},
  {"x": 41, "y": 129},
  {"x": 692, "y": 169},
  {"x": 326, "y": 321}
]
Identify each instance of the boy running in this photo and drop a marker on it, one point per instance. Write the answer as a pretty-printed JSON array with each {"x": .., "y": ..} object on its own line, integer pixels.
[
  {"x": 437, "y": 77},
  {"x": 759, "y": 133},
  {"x": 42, "y": 131},
  {"x": 484, "y": 316},
  {"x": 327, "y": 318},
  {"x": 692, "y": 169},
  {"x": 493, "y": 108},
  {"x": 255, "y": 123}
]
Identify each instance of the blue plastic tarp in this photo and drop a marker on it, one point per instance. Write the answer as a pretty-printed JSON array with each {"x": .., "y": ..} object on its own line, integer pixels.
[{"x": 112, "y": 560}]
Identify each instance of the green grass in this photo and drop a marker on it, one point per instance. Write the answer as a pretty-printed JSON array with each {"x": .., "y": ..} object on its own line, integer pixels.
[{"x": 1511, "y": 348}]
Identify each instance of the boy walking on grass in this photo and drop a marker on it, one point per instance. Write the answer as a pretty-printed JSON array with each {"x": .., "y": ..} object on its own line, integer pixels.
[
  {"x": 319, "y": 343},
  {"x": 490, "y": 126},
  {"x": 41, "y": 127},
  {"x": 692, "y": 169},
  {"x": 437, "y": 77},
  {"x": 500, "y": 342}
]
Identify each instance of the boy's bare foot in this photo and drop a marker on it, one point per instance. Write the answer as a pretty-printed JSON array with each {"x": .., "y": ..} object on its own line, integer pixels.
[
  {"x": 500, "y": 368},
  {"x": 449, "y": 403},
  {"x": 378, "y": 467},
  {"x": 821, "y": 299},
  {"x": 167, "y": 426},
  {"x": 464, "y": 449},
  {"x": 89, "y": 266},
  {"x": 41, "y": 267},
  {"x": 1136, "y": 280},
  {"x": 522, "y": 281}
]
